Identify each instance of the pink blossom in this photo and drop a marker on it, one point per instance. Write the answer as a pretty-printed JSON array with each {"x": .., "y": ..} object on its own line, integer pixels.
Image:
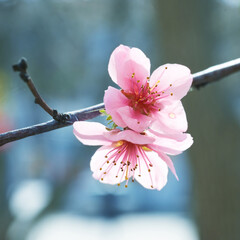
[
  {"x": 145, "y": 100},
  {"x": 128, "y": 154}
]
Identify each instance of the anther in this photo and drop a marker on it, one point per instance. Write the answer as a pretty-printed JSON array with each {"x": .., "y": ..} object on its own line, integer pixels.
[
  {"x": 119, "y": 143},
  {"x": 139, "y": 175},
  {"x": 170, "y": 85},
  {"x": 149, "y": 170},
  {"x": 138, "y": 81},
  {"x": 101, "y": 179},
  {"x": 106, "y": 156},
  {"x": 150, "y": 165},
  {"x": 151, "y": 186},
  {"x": 159, "y": 109},
  {"x": 100, "y": 168},
  {"x": 126, "y": 178},
  {"x": 118, "y": 184},
  {"x": 107, "y": 161},
  {"x": 138, "y": 122},
  {"x": 126, "y": 186},
  {"x": 115, "y": 164},
  {"x": 146, "y": 149},
  {"x": 132, "y": 180},
  {"x": 116, "y": 176},
  {"x": 165, "y": 67},
  {"x": 143, "y": 133},
  {"x": 105, "y": 172},
  {"x": 133, "y": 75},
  {"x": 171, "y": 94}
]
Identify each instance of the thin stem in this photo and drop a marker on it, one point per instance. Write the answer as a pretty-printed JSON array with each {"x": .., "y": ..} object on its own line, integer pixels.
[
  {"x": 200, "y": 79},
  {"x": 21, "y": 67},
  {"x": 79, "y": 115},
  {"x": 215, "y": 73}
]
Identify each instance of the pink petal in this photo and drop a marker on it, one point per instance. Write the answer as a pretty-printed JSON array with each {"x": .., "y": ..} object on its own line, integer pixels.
[
  {"x": 158, "y": 175},
  {"x": 113, "y": 100},
  {"x": 169, "y": 162},
  {"x": 125, "y": 61},
  {"x": 172, "y": 144},
  {"x": 90, "y": 133},
  {"x": 130, "y": 136},
  {"x": 134, "y": 120},
  {"x": 99, "y": 161},
  {"x": 176, "y": 75},
  {"x": 171, "y": 119}
]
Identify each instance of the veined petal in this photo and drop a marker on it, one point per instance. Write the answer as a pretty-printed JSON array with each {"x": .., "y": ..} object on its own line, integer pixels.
[
  {"x": 113, "y": 100},
  {"x": 90, "y": 133},
  {"x": 174, "y": 80},
  {"x": 130, "y": 136},
  {"x": 157, "y": 177},
  {"x": 171, "y": 119},
  {"x": 134, "y": 120},
  {"x": 172, "y": 144},
  {"x": 168, "y": 161},
  {"x": 107, "y": 172},
  {"x": 127, "y": 65}
]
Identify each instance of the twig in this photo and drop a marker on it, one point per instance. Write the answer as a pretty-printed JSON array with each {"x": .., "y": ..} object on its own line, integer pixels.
[
  {"x": 200, "y": 79},
  {"x": 215, "y": 73},
  {"x": 21, "y": 67},
  {"x": 80, "y": 115}
]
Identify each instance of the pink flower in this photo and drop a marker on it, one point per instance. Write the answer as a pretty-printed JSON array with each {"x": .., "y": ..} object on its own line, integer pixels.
[
  {"x": 127, "y": 154},
  {"x": 145, "y": 100}
]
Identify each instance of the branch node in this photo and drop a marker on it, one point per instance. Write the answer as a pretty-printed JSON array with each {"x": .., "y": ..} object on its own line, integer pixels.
[
  {"x": 21, "y": 66},
  {"x": 60, "y": 117}
]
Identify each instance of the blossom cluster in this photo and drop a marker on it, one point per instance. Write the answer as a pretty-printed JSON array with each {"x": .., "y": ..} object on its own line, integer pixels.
[{"x": 148, "y": 121}]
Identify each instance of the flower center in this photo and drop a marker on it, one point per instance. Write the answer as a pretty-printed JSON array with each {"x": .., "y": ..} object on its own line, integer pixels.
[
  {"x": 128, "y": 160},
  {"x": 145, "y": 99}
]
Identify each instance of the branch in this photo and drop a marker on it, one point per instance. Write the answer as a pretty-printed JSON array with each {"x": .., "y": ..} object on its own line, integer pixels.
[
  {"x": 200, "y": 79},
  {"x": 215, "y": 73},
  {"x": 21, "y": 67}
]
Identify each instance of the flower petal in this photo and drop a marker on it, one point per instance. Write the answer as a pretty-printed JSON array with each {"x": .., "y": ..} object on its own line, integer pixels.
[
  {"x": 113, "y": 100},
  {"x": 171, "y": 119},
  {"x": 157, "y": 178},
  {"x": 134, "y": 120},
  {"x": 108, "y": 171},
  {"x": 127, "y": 65},
  {"x": 90, "y": 133},
  {"x": 175, "y": 80},
  {"x": 169, "y": 162},
  {"x": 130, "y": 136},
  {"x": 172, "y": 144}
]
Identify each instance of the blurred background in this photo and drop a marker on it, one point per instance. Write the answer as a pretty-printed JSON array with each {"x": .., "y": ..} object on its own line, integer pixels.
[{"x": 46, "y": 188}]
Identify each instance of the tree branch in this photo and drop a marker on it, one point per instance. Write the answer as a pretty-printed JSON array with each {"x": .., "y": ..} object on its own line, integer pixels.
[
  {"x": 200, "y": 79},
  {"x": 215, "y": 73},
  {"x": 21, "y": 67}
]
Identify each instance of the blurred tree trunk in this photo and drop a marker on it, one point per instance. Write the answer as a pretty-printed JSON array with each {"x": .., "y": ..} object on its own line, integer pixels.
[
  {"x": 5, "y": 216},
  {"x": 184, "y": 30}
]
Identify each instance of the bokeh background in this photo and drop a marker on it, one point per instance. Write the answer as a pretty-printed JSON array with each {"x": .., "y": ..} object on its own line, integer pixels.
[{"x": 46, "y": 188}]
